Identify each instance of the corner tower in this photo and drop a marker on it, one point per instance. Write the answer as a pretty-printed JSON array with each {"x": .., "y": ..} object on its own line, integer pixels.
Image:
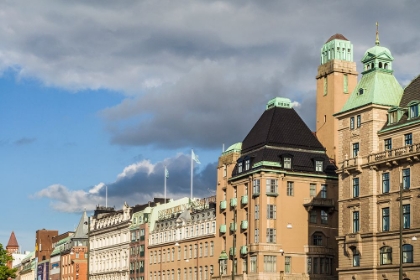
[{"x": 336, "y": 79}]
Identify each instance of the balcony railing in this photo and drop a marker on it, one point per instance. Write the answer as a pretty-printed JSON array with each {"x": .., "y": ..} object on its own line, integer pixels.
[
  {"x": 244, "y": 224},
  {"x": 233, "y": 202},
  {"x": 318, "y": 202},
  {"x": 388, "y": 155},
  {"x": 223, "y": 204},
  {"x": 222, "y": 229},
  {"x": 244, "y": 199},
  {"x": 232, "y": 227}
]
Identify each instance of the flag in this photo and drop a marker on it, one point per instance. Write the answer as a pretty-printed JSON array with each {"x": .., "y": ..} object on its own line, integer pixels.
[
  {"x": 195, "y": 157},
  {"x": 166, "y": 173}
]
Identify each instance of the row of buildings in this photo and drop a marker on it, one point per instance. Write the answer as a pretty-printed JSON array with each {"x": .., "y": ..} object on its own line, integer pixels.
[{"x": 290, "y": 204}]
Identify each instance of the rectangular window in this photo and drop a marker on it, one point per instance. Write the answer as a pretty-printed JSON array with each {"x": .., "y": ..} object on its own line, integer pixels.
[
  {"x": 355, "y": 187},
  {"x": 388, "y": 144},
  {"x": 271, "y": 212},
  {"x": 414, "y": 111},
  {"x": 271, "y": 235},
  {"x": 253, "y": 264},
  {"x": 290, "y": 188},
  {"x": 355, "y": 221},
  {"x": 408, "y": 139},
  {"x": 355, "y": 149},
  {"x": 270, "y": 263},
  {"x": 406, "y": 178},
  {"x": 385, "y": 219},
  {"x": 309, "y": 265},
  {"x": 256, "y": 187},
  {"x": 319, "y": 165},
  {"x": 257, "y": 212},
  {"x": 324, "y": 217},
  {"x": 312, "y": 190},
  {"x": 356, "y": 258},
  {"x": 358, "y": 121},
  {"x": 239, "y": 167},
  {"x": 345, "y": 83},
  {"x": 315, "y": 266},
  {"x": 211, "y": 248},
  {"x": 406, "y": 216},
  {"x": 287, "y": 265},
  {"x": 287, "y": 162},
  {"x": 317, "y": 239},
  {"x": 312, "y": 216},
  {"x": 271, "y": 186},
  {"x": 247, "y": 164},
  {"x": 385, "y": 182},
  {"x": 323, "y": 191},
  {"x": 256, "y": 235},
  {"x": 393, "y": 117},
  {"x": 351, "y": 122}
]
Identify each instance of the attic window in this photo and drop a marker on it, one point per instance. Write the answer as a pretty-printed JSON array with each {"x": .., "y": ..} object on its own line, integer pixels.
[
  {"x": 239, "y": 167},
  {"x": 319, "y": 165},
  {"x": 414, "y": 110},
  {"x": 287, "y": 162},
  {"x": 247, "y": 163},
  {"x": 393, "y": 117},
  {"x": 361, "y": 91}
]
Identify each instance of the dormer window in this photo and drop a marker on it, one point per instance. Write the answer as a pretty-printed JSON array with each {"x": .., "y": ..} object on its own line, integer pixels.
[
  {"x": 287, "y": 162},
  {"x": 414, "y": 110},
  {"x": 247, "y": 164},
  {"x": 393, "y": 117},
  {"x": 239, "y": 167},
  {"x": 361, "y": 91},
  {"x": 319, "y": 165}
]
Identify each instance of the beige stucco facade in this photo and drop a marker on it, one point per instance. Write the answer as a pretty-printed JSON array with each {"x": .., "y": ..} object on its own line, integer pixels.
[
  {"x": 363, "y": 240},
  {"x": 291, "y": 253}
]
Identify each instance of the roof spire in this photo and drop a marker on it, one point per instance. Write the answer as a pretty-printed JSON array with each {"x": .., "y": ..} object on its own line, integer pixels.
[{"x": 377, "y": 34}]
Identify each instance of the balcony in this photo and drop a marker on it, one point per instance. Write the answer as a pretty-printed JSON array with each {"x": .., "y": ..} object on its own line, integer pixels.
[
  {"x": 222, "y": 229},
  {"x": 317, "y": 202},
  {"x": 351, "y": 165},
  {"x": 223, "y": 205},
  {"x": 244, "y": 250},
  {"x": 232, "y": 251},
  {"x": 244, "y": 224},
  {"x": 408, "y": 152},
  {"x": 233, "y": 202},
  {"x": 321, "y": 250},
  {"x": 244, "y": 200},
  {"x": 232, "y": 227}
]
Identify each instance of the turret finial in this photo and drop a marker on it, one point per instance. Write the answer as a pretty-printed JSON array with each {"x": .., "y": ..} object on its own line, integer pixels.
[{"x": 377, "y": 34}]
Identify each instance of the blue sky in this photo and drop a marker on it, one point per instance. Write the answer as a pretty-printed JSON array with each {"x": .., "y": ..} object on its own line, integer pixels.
[{"x": 108, "y": 93}]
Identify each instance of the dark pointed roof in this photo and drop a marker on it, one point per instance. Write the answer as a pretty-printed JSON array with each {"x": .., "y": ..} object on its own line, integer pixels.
[
  {"x": 281, "y": 127},
  {"x": 12, "y": 241},
  {"x": 337, "y": 36},
  {"x": 82, "y": 228},
  {"x": 411, "y": 92}
]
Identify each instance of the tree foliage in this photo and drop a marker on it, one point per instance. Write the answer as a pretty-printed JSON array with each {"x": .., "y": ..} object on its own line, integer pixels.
[{"x": 6, "y": 272}]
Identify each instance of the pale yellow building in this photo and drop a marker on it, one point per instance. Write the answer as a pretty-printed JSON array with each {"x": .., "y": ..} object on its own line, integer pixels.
[
  {"x": 276, "y": 194},
  {"x": 378, "y": 167}
]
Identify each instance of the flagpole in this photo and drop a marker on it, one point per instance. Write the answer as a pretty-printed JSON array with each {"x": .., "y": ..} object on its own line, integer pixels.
[
  {"x": 164, "y": 175},
  {"x": 106, "y": 196},
  {"x": 192, "y": 174}
]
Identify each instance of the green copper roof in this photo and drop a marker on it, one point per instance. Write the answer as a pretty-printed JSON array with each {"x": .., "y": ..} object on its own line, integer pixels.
[
  {"x": 233, "y": 148},
  {"x": 337, "y": 47},
  {"x": 279, "y": 102},
  {"x": 375, "y": 87}
]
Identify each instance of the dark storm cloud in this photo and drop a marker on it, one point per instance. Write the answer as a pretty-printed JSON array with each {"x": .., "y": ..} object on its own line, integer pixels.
[{"x": 196, "y": 72}]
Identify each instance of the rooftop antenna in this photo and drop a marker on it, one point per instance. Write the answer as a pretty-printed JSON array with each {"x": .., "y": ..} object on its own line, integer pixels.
[
  {"x": 377, "y": 34},
  {"x": 106, "y": 196}
]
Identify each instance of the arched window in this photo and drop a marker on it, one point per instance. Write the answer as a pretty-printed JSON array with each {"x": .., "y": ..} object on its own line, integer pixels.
[
  {"x": 386, "y": 66},
  {"x": 386, "y": 255},
  {"x": 380, "y": 64},
  {"x": 407, "y": 253}
]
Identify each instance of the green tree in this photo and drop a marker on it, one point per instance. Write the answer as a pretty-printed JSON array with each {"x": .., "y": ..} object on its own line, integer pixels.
[{"x": 5, "y": 272}]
